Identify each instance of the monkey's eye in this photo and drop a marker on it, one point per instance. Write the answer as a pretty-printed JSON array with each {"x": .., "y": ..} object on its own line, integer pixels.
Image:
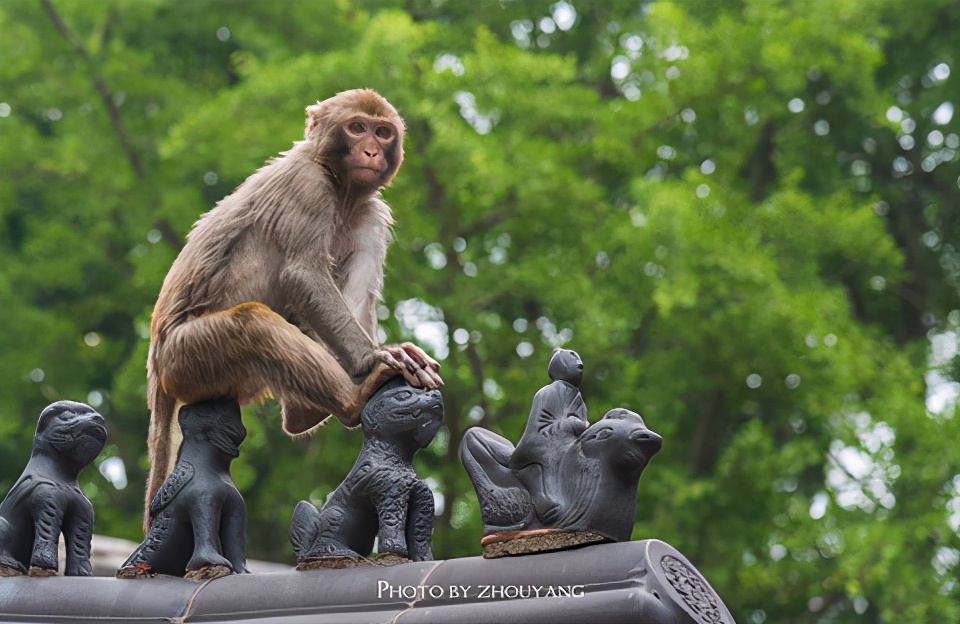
[
  {"x": 356, "y": 127},
  {"x": 385, "y": 132},
  {"x": 603, "y": 434}
]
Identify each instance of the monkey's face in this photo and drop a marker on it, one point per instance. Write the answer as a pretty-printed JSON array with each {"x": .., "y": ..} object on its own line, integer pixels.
[
  {"x": 372, "y": 156},
  {"x": 360, "y": 137}
]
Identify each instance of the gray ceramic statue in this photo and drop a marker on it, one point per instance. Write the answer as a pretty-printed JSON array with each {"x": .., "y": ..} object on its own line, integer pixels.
[
  {"x": 198, "y": 517},
  {"x": 565, "y": 483},
  {"x": 557, "y": 417},
  {"x": 382, "y": 496},
  {"x": 46, "y": 499}
]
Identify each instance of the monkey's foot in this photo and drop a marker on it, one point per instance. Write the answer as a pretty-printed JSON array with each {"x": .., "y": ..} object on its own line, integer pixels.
[
  {"x": 208, "y": 573},
  {"x": 381, "y": 374},
  {"x": 536, "y": 540},
  {"x": 366, "y": 387},
  {"x": 333, "y": 562},
  {"x": 390, "y": 559},
  {"x": 41, "y": 572},
  {"x": 6, "y": 571}
]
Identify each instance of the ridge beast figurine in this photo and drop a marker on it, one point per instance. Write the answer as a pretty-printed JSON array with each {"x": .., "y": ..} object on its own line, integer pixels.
[
  {"x": 46, "y": 500},
  {"x": 565, "y": 483},
  {"x": 198, "y": 518},
  {"x": 382, "y": 496}
]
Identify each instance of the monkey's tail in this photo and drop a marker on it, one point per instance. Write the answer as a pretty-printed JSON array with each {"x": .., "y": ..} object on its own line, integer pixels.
[{"x": 159, "y": 440}]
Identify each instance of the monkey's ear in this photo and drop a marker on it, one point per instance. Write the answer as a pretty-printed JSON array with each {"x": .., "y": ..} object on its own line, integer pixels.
[{"x": 313, "y": 116}]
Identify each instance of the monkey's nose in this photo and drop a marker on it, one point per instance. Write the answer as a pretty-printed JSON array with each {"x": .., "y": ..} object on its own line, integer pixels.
[{"x": 370, "y": 154}]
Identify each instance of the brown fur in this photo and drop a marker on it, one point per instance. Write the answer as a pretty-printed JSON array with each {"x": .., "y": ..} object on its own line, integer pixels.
[{"x": 275, "y": 291}]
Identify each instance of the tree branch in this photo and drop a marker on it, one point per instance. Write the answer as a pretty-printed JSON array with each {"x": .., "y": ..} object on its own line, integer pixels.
[
  {"x": 491, "y": 220},
  {"x": 836, "y": 462},
  {"x": 703, "y": 445},
  {"x": 476, "y": 367},
  {"x": 98, "y": 83},
  {"x": 168, "y": 234}
]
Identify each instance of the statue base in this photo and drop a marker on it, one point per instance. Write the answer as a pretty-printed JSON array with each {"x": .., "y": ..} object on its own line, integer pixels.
[
  {"x": 135, "y": 572},
  {"x": 208, "y": 573},
  {"x": 6, "y": 571},
  {"x": 343, "y": 562},
  {"x": 333, "y": 563},
  {"x": 536, "y": 540}
]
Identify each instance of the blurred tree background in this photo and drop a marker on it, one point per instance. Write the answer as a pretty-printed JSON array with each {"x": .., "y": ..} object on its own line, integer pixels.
[{"x": 744, "y": 215}]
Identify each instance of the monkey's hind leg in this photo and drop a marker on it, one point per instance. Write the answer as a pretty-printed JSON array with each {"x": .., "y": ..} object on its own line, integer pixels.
[
  {"x": 250, "y": 349},
  {"x": 299, "y": 419}
]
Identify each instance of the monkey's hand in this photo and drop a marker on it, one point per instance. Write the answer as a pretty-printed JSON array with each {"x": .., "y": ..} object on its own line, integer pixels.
[{"x": 417, "y": 367}]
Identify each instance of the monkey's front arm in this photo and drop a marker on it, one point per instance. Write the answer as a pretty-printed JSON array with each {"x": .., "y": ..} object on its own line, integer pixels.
[{"x": 313, "y": 297}]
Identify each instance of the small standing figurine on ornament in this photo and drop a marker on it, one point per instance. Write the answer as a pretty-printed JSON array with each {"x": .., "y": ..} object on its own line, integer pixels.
[
  {"x": 382, "y": 496},
  {"x": 198, "y": 517},
  {"x": 46, "y": 500}
]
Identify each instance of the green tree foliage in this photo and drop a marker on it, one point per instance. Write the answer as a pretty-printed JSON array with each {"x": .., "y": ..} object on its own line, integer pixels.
[{"x": 743, "y": 214}]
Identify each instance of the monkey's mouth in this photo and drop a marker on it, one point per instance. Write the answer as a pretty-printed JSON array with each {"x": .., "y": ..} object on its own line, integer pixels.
[
  {"x": 366, "y": 174},
  {"x": 374, "y": 170}
]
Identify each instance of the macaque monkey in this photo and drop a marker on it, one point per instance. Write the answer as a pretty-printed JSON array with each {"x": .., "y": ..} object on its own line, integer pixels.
[{"x": 275, "y": 291}]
